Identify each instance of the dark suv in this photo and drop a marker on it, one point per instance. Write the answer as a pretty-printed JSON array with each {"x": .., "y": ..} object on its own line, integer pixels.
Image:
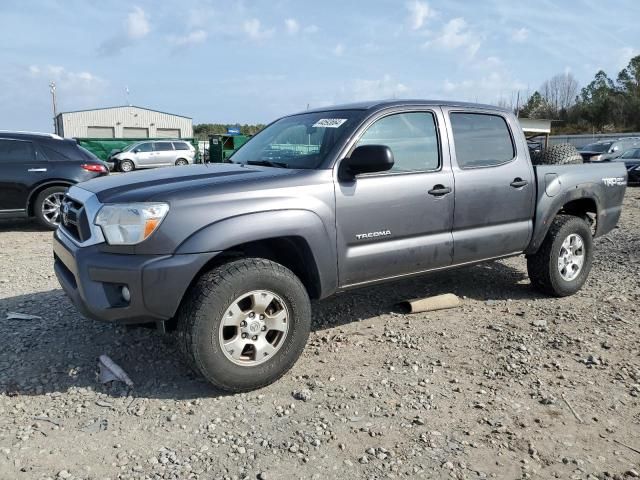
[{"x": 36, "y": 169}]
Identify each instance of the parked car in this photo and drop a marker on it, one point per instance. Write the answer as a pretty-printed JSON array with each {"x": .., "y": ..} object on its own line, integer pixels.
[
  {"x": 607, "y": 150},
  {"x": 36, "y": 169},
  {"x": 320, "y": 202},
  {"x": 154, "y": 153},
  {"x": 631, "y": 159}
]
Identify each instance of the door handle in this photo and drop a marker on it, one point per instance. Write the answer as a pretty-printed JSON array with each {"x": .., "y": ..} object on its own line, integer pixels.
[
  {"x": 518, "y": 183},
  {"x": 439, "y": 190},
  {"x": 37, "y": 170}
]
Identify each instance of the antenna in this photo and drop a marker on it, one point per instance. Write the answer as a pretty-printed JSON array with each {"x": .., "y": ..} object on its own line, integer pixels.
[
  {"x": 126, "y": 92},
  {"x": 52, "y": 89}
]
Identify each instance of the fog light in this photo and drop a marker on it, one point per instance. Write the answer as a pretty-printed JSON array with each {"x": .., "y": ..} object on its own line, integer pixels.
[{"x": 126, "y": 294}]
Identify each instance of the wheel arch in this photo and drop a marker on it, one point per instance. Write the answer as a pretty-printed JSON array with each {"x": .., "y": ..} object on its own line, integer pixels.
[
  {"x": 41, "y": 187},
  {"x": 297, "y": 239},
  {"x": 579, "y": 204}
]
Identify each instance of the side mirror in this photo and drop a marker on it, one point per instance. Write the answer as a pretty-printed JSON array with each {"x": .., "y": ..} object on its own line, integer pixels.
[
  {"x": 136, "y": 150},
  {"x": 366, "y": 159}
]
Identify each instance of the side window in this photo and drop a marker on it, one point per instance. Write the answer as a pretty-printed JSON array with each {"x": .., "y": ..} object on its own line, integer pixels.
[
  {"x": 481, "y": 140},
  {"x": 163, "y": 146},
  {"x": 16, "y": 151},
  {"x": 144, "y": 147},
  {"x": 412, "y": 138},
  {"x": 180, "y": 146}
]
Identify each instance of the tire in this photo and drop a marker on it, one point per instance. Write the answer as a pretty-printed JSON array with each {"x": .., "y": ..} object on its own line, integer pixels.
[
  {"x": 47, "y": 208},
  {"x": 201, "y": 333},
  {"x": 181, "y": 162},
  {"x": 561, "y": 154},
  {"x": 126, "y": 166},
  {"x": 544, "y": 266}
]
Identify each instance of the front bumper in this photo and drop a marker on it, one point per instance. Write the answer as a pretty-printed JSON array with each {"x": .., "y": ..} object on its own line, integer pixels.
[{"x": 93, "y": 280}]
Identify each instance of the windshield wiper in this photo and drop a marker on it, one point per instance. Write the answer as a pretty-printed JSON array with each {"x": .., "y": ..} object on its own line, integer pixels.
[{"x": 268, "y": 163}]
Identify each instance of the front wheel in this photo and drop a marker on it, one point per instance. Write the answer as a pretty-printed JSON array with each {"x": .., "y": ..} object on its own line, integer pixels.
[
  {"x": 562, "y": 264},
  {"x": 126, "y": 166},
  {"x": 244, "y": 324}
]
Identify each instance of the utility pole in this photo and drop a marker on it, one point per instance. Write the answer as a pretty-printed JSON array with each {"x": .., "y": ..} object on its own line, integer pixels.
[{"x": 52, "y": 89}]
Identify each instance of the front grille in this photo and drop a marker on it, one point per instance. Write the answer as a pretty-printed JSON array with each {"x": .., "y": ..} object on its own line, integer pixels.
[{"x": 74, "y": 220}]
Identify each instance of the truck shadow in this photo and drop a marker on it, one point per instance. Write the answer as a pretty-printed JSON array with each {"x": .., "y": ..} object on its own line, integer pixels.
[{"x": 58, "y": 351}]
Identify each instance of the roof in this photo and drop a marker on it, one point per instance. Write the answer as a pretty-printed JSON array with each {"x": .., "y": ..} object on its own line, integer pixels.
[
  {"x": 122, "y": 106},
  {"x": 380, "y": 104},
  {"x": 20, "y": 134}
]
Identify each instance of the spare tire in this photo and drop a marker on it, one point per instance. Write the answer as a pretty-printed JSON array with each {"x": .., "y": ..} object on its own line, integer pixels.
[{"x": 561, "y": 154}]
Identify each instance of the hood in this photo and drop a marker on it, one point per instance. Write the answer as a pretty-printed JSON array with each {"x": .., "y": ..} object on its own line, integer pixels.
[{"x": 154, "y": 184}]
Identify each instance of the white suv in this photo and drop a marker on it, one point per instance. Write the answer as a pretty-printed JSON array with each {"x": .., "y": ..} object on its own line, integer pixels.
[{"x": 154, "y": 153}]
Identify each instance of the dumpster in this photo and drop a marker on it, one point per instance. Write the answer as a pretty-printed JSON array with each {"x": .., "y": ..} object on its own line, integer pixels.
[{"x": 222, "y": 146}]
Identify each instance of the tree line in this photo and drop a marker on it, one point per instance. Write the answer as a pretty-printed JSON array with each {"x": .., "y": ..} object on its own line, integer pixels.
[
  {"x": 202, "y": 130},
  {"x": 604, "y": 105}
]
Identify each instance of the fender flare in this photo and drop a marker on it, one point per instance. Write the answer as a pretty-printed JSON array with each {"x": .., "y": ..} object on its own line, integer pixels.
[
  {"x": 543, "y": 222},
  {"x": 251, "y": 227}
]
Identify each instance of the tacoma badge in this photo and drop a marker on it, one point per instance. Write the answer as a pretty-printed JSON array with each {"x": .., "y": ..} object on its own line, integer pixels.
[{"x": 381, "y": 233}]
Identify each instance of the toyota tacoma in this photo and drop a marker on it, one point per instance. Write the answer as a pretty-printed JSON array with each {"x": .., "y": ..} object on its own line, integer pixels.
[{"x": 229, "y": 255}]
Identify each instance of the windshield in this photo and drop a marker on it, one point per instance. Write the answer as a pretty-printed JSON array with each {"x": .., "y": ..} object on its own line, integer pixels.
[
  {"x": 298, "y": 141},
  {"x": 597, "y": 147}
]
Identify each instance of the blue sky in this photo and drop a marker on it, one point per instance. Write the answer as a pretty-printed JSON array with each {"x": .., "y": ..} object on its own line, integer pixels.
[{"x": 249, "y": 62}]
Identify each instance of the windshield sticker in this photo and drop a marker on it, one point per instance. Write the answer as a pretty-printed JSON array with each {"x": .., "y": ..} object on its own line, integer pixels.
[{"x": 329, "y": 122}]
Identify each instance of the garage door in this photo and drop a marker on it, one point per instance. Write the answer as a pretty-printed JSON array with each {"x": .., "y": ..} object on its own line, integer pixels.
[
  {"x": 132, "y": 132},
  {"x": 100, "y": 132},
  {"x": 168, "y": 133}
]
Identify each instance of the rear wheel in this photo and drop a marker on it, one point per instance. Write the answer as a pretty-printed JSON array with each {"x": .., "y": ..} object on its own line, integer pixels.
[
  {"x": 126, "y": 166},
  {"x": 244, "y": 324},
  {"x": 181, "y": 162},
  {"x": 48, "y": 206},
  {"x": 562, "y": 264}
]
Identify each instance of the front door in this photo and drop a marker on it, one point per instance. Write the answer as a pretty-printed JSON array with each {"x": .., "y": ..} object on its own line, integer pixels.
[
  {"x": 21, "y": 167},
  {"x": 144, "y": 154},
  {"x": 495, "y": 190},
  {"x": 394, "y": 223}
]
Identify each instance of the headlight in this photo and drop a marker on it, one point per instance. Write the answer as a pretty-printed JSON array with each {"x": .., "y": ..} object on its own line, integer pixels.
[{"x": 130, "y": 223}]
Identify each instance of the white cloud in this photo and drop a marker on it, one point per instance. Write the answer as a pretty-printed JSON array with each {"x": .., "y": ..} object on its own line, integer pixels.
[
  {"x": 82, "y": 83},
  {"x": 338, "y": 50},
  {"x": 136, "y": 26},
  {"x": 624, "y": 55},
  {"x": 455, "y": 34},
  {"x": 383, "y": 88},
  {"x": 193, "y": 38},
  {"x": 520, "y": 35},
  {"x": 311, "y": 29},
  {"x": 292, "y": 26},
  {"x": 253, "y": 28},
  {"x": 137, "y": 23},
  {"x": 418, "y": 14}
]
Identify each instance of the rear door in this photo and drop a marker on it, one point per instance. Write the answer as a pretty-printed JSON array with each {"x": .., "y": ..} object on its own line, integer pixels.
[
  {"x": 21, "y": 167},
  {"x": 494, "y": 182},
  {"x": 395, "y": 223},
  {"x": 164, "y": 153}
]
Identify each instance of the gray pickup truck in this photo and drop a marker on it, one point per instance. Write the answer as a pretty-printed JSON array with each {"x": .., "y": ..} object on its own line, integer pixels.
[{"x": 229, "y": 255}]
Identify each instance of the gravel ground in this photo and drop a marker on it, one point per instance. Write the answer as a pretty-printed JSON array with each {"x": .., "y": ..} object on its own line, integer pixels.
[{"x": 510, "y": 385}]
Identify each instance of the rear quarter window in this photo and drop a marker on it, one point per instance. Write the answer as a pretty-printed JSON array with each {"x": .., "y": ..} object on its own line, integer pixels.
[
  {"x": 63, "y": 151},
  {"x": 481, "y": 140},
  {"x": 181, "y": 145}
]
